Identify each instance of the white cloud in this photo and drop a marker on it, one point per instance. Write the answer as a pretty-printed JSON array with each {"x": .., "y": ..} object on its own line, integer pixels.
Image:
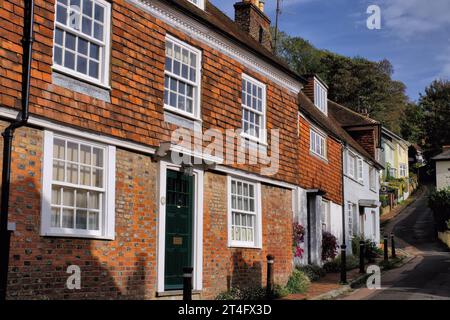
[
  {"x": 408, "y": 18},
  {"x": 444, "y": 58}
]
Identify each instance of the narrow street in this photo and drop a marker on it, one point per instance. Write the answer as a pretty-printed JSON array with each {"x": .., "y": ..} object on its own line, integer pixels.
[{"x": 427, "y": 275}]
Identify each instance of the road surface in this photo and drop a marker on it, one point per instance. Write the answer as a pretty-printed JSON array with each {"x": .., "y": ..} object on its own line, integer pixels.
[{"x": 427, "y": 275}]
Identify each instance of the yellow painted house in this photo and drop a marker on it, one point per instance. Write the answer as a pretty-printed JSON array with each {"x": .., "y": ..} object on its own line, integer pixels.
[{"x": 394, "y": 156}]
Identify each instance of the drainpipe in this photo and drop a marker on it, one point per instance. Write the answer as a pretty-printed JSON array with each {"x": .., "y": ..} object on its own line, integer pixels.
[
  {"x": 343, "y": 145},
  {"x": 8, "y": 134},
  {"x": 343, "y": 245}
]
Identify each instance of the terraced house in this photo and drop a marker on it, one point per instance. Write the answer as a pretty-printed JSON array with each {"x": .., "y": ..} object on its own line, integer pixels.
[
  {"x": 113, "y": 173},
  {"x": 94, "y": 180},
  {"x": 338, "y": 171}
]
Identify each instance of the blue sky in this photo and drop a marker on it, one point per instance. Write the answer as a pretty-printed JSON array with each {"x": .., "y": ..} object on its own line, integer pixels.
[{"x": 414, "y": 34}]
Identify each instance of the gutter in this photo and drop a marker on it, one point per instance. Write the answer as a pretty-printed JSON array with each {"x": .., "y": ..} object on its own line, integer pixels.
[{"x": 8, "y": 135}]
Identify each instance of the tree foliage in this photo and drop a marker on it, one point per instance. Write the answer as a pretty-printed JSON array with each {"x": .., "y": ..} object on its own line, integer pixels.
[
  {"x": 435, "y": 105},
  {"x": 428, "y": 122},
  {"x": 360, "y": 84}
]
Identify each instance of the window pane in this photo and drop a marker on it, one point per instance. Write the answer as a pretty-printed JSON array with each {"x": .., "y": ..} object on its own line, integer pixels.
[
  {"x": 69, "y": 60},
  {"x": 98, "y": 31},
  {"x": 87, "y": 7},
  {"x": 58, "y": 170},
  {"x": 57, "y": 55},
  {"x": 86, "y": 26},
  {"x": 56, "y": 195},
  {"x": 82, "y": 64},
  {"x": 93, "y": 69},
  {"x": 85, "y": 154},
  {"x": 83, "y": 46},
  {"x": 81, "y": 199},
  {"x": 94, "y": 200},
  {"x": 98, "y": 13},
  {"x": 93, "y": 221},
  {"x": 85, "y": 175},
  {"x": 81, "y": 219},
  {"x": 97, "y": 157},
  {"x": 58, "y": 149},
  {"x": 61, "y": 14},
  {"x": 94, "y": 51},
  {"x": 55, "y": 218},
  {"x": 68, "y": 197},
  {"x": 97, "y": 176},
  {"x": 67, "y": 218},
  {"x": 72, "y": 173},
  {"x": 72, "y": 151}
]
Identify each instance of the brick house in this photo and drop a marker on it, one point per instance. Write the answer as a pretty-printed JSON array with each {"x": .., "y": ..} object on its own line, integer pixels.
[
  {"x": 331, "y": 186},
  {"x": 94, "y": 182},
  {"x": 102, "y": 181}
]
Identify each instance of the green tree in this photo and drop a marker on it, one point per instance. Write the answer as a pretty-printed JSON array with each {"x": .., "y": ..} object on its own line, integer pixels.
[
  {"x": 360, "y": 84},
  {"x": 435, "y": 104},
  {"x": 412, "y": 128}
]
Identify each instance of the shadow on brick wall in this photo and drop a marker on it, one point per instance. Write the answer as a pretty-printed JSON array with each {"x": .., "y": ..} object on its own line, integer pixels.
[
  {"x": 38, "y": 265},
  {"x": 245, "y": 274}
]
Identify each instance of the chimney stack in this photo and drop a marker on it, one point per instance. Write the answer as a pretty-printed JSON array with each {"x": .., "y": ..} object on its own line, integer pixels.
[{"x": 250, "y": 17}]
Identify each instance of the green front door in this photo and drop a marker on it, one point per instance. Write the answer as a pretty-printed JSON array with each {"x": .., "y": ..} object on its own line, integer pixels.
[{"x": 179, "y": 216}]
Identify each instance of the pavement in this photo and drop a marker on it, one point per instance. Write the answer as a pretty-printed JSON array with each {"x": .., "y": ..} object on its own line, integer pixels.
[{"x": 426, "y": 276}]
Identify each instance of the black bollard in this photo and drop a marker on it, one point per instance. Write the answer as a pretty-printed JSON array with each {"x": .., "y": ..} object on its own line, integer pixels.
[
  {"x": 393, "y": 246},
  {"x": 386, "y": 257},
  {"x": 269, "y": 287},
  {"x": 362, "y": 246},
  {"x": 187, "y": 283},
  {"x": 343, "y": 264}
]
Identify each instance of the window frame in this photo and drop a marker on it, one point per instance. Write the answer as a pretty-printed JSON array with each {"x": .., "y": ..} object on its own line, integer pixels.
[
  {"x": 360, "y": 170},
  {"x": 263, "y": 126},
  {"x": 352, "y": 219},
  {"x": 196, "y": 107},
  {"x": 107, "y": 217},
  {"x": 200, "y": 4},
  {"x": 402, "y": 170},
  {"x": 320, "y": 97},
  {"x": 105, "y": 48},
  {"x": 257, "y": 236},
  {"x": 372, "y": 178},
  {"x": 326, "y": 215},
  {"x": 357, "y": 169},
  {"x": 323, "y": 137}
]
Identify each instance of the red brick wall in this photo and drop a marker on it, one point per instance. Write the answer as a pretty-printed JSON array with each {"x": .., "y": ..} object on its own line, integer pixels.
[
  {"x": 126, "y": 267},
  {"x": 314, "y": 172},
  {"x": 366, "y": 138},
  {"x": 123, "y": 268},
  {"x": 137, "y": 82},
  {"x": 225, "y": 267}
]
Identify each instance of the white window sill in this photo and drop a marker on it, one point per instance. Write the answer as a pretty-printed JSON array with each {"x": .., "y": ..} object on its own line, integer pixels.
[
  {"x": 183, "y": 114},
  {"x": 175, "y": 293},
  {"x": 240, "y": 245},
  {"x": 75, "y": 235},
  {"x": 251, "y": 139},
  {"x": 314, "y": 154},
  {"x": 361, "y": 182}
]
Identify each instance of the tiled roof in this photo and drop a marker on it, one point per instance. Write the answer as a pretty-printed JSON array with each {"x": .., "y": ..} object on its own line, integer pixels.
[
  {"x": 331, "y": 125},
  {"x": 348, "y": 117},
  {"x": 443, "y": 156},
  {"x": 221, "y": 23}
]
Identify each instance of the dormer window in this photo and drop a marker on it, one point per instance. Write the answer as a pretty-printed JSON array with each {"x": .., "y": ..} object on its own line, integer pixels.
[
  {"x": 320, "y": 96},
  {"x": 198, "y": 3}
]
